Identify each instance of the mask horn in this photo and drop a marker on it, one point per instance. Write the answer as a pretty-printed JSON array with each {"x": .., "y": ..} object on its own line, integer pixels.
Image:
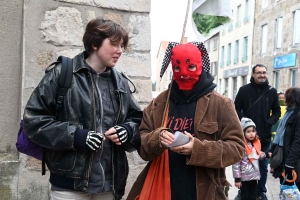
[
  {"x": 205, "y": 57},
  {"x": 167, "y": 58}
]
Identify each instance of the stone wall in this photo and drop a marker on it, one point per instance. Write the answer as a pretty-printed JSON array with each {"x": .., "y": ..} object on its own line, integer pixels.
[
  {"x": 34, "y": 34},
  {"x": 269, "y": 15}
]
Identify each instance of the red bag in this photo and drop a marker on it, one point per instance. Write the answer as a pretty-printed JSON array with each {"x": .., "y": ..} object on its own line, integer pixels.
[{"x": 157, "y": 183}]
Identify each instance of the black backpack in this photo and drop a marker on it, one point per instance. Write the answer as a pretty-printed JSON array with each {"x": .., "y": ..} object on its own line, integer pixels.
[{"x": 24, "y": 144}]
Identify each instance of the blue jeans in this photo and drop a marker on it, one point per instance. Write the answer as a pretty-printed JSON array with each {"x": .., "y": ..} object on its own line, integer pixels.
[{"x": 263, "y": 168}]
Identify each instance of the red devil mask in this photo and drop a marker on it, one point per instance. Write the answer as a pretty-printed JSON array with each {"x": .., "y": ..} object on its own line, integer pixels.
[{"x": 186, "y": 65}]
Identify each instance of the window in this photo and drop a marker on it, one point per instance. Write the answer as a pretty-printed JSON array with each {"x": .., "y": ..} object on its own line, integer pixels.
[
  {"x": 229, "y": 54},
  {"x": 238, "y": 16},
  {"x": 208, "y": 46},
  {"x": 293, "y": 77},
  {"x": 245, "y": 49},
  {"x": 276, "y": 79},
  {"x": 236, "y": 52},
  {"x": 279, "y": 32},
  {"x": 215, "y": 43},
  {"x": 213, "y": 68},
  {"x": 264, "y": 4},
  {"x": 222, "y": 56},
  {"x": 247, "y": 11},
  {"x": 296, "y": 38},
  {"x": 264, "y": 38}
]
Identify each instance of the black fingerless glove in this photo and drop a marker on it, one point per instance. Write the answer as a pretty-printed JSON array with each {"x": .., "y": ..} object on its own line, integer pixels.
[
  {"x": 94, "y": 140},
  {"x": 122, "y": 133}
]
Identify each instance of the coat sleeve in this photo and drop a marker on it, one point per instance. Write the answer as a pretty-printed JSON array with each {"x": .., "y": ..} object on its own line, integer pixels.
[
  {"x": 40, "y": 122},
  {"x": 236, "y": 170},
  {"x": 238, "y": 102},
  {"x": 151, "y": 146},
  {"x": 133, "y": 121},
  {"x": 275, "y": 107},
  {"x": 229, "y": 146},
  {"x": 294, "y": 156}
]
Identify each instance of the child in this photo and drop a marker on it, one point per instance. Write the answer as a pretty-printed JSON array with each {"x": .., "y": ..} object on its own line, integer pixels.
[{"x": 246, "y": 172}]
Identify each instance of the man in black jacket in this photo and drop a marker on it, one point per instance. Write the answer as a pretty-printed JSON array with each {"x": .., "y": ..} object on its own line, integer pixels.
[
  {"x": 85, "y": 142},
  {"x": 265, "y": 112}
]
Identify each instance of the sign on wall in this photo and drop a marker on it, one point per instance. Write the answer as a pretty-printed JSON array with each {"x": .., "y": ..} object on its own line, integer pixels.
[
  {"x": 241, "y": 71},
  {"x": 288, "y": 60}
]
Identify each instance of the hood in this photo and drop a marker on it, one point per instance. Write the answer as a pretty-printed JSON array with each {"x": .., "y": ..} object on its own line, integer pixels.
[{"x": 202, "y": 87}]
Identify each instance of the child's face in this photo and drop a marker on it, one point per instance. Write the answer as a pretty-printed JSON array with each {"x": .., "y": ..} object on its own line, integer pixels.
[{"x": 250, "y": 133}]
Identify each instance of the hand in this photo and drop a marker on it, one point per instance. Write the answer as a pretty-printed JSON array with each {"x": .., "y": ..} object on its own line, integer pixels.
[
  {"x": 238, "y": 184},
  {"x": 185, "y": 149},
  {"x": 117, "y": 134},
  {"x": 121, "y": 133},
  {"x": 166, "y": 138},
  {"x": 268, "y": 155},
  {"x": 94, "y": 140},
  {"x": 288, "y": 172}
]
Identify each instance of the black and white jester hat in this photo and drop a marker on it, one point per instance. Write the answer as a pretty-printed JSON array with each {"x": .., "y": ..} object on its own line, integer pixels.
[{"x": 168, "y": 54}]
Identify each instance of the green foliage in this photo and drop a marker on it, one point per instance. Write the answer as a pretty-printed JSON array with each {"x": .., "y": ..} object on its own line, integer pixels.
[{"x": 205, "y": 23}]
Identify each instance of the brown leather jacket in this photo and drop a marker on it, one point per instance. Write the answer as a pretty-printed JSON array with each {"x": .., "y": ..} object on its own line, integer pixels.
[{"x": 219, "y": 143}]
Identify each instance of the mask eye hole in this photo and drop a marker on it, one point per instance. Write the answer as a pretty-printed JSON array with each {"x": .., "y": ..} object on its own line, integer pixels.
[
  {"x": 176, "y": 68},
  {"x": 187, "y": 61},
  {"x": 192, "y": 67},
  {"x": 178, "y": 62}
]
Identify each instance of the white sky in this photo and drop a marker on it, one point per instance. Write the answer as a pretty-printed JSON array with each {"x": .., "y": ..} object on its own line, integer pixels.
[{"x": 167, "y": 18}]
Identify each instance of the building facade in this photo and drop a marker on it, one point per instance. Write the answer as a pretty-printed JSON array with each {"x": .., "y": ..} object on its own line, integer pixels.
[
  {"x": 276, "y": 41},
  {"x": 235, "y": 54},
  {"x": 212, "y": 47}
]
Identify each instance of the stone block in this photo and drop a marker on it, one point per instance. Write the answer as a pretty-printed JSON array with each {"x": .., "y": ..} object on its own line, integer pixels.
[
  {"x": 140, "y": 33},
  {"x": 135, "y": 65},
  {"x": 143, "y": 90},
  {"x": 116, "y": 18},
  {"x": 127, "y": 5},
  {"x": 62, "y": 26},
  {"x": 71, "y": 53},
  {"x": 90, "y": 15}
]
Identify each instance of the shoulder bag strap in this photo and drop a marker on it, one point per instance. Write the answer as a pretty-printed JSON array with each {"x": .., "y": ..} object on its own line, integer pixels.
[{"x": 259, "y": 98}]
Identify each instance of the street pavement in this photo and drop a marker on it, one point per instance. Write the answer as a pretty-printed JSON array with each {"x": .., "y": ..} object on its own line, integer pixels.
[{"x": 273, "y": 185}]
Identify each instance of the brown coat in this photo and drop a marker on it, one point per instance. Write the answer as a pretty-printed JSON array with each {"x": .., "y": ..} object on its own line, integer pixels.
[{"x": 219, "y": 143}]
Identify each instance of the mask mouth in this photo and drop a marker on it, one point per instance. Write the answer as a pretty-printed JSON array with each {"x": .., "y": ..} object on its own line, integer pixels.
[{"x": 186, "y": 78}]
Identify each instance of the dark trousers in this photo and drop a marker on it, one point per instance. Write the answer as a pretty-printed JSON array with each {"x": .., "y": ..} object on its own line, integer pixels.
[
  {"x": 248, "y": 190},
  {"x": 263, "y": 168}
]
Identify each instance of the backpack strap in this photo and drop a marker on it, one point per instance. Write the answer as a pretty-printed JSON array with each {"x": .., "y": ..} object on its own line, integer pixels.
[
  {"x": 125, "y": 76},
  {"x": 65, "y": 80}
]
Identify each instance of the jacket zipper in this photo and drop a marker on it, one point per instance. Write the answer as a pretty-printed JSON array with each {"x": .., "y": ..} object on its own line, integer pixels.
[
  {"x": 93, "y": 91},
  {"x": 117, "y": 92},
  {"x": 100, "y": 124}
]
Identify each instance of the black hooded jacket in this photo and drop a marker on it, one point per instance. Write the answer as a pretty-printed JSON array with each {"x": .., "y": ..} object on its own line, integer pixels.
[
  {"x": 181, "y": 118},
  {"x": 264, "y": 113}
]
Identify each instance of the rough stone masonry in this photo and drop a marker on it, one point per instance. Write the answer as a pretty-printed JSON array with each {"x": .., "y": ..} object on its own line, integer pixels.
[{"x": 34, "y": 34}]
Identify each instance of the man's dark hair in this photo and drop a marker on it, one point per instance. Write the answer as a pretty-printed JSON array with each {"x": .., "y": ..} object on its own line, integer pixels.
[
  {"x": 292, "y": 97},
  {"x": 258, "y": 65},
  {"x": 99, "y": 29},
  {"x": 279, "y": 93}
]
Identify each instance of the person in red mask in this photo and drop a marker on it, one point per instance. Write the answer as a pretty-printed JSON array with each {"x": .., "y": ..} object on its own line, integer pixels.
[{"x": 196, "y": 167}]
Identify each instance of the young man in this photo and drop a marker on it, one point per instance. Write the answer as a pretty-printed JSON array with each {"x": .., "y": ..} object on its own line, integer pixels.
[
  {"x": 216, "y": 140},
  {"x": 264, "y": 113},
  {"x": 85, "y": 142}
]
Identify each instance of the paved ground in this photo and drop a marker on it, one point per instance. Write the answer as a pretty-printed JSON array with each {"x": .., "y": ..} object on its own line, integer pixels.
[{"x": 273, "y": 186}]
